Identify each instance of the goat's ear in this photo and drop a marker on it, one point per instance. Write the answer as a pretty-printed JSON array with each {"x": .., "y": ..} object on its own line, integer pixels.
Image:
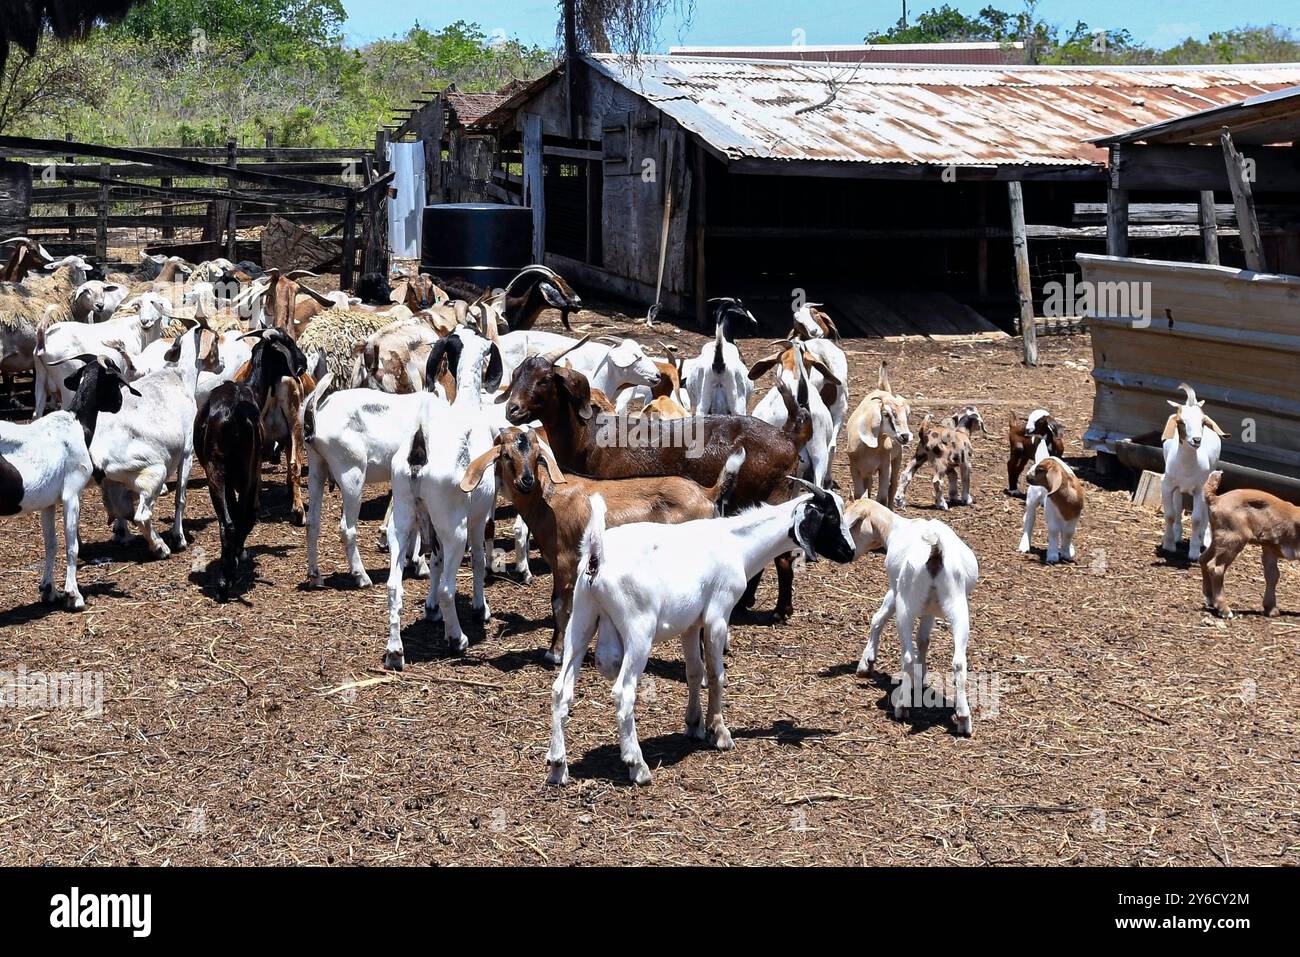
[
  {"x": 1214, "y": 425},
  {"x": 1171, "y": 428},
  {"x": 492, "y": 375},
  {"x": 1055, "y": 478},
  {"x": 824, "y": 369},
  {"x": 478, "y": 468},
  {"x": 577, "y": 387},
  {"x": 763, "y": 366},
  {"x": 547, "y": 458},
  {"x": 870, "y": 434},
  {"x": 73, "y": 382}
]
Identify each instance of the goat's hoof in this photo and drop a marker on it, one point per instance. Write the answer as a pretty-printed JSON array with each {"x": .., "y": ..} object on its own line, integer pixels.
[
  {"x": 722, "y": 739},
  {"x": 457, "y": 644},
  {"x": 968, "y": 500},
  {"x": 900, "y": 712},
  {"x": 1273, "y": 612},
  {"x": 639, "y": 773},
  {"x": 525, "y": 576},
  {"x": 552, "y": 657},
  {"x": 781, "y": 615},
  {"x": 484, "y": 614},
  {"x": 1023, "y": 547},
  {"x": 419, "y": 569},
  {"x": 866, "y": 667},
  {"x": 395, "y": 660},
  {"x": 315, "y": 582},
  {"x": 179, "y": 544},
  {"x": 162, "y": 551},
  {"x": 557, "y": 772},
  {"x": 381, "y": 542},
  {"x": 297, "y": 517},
  {"x": 964, "y": 726},
  {"x": 695, "y": 729},
  {"x": 363, "y": 580},
  {"x": 50, "y": 594},
  {"x": 74, "y": 602}
]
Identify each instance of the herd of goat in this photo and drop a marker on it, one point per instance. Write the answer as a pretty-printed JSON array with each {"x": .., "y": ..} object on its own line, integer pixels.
[{"x": 447, "y": 395}]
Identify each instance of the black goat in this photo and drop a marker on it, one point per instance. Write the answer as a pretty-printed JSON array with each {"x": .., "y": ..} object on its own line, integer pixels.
[
  {"x": 228, "y": 439},
  {"x": 534, "y": 289},
  {"x": 373, "y": 289}
]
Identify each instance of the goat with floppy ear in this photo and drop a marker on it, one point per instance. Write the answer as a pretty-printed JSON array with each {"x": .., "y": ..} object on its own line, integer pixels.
[
  {"x": 947, "y": 447},
  {"x": 1191, "y": 445},
  {"x": 1024, "y": 435},
  {"x": 1244, "y": 517},
  {"x": 1054, "y": 485},
  {"x": 877, "y": 432}
]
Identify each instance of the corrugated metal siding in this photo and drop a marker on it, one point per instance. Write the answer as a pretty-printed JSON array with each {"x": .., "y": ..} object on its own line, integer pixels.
[{"x": 966, "y": 116}]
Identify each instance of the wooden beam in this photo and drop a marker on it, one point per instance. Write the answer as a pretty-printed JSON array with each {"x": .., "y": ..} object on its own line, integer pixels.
[
  {"x": 349, "y": 260},
  {"x": 1024, "y": 289},
  {"x": 701, "y": 236},
  {"x": 101, "y": 225},
  {"x": 1208, "y": 216},
  {"x": 1239, "y": 182},
  {"x": 232, "y": 224},
  {"x": 1116, "y": 210},
  {"x": 1194, "y": 168},
  {"x": 534, "y": 181}
]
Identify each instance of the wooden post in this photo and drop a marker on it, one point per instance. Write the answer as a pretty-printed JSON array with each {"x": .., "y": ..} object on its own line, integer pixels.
[
  {"x": 72, "y": 207},
  {"x": 270, "y": 137},
  {"x": 166, "y": 209},
  {"x": 571, "y": 67},
  {"x": 101, "y": 224},
  {"x": 535, "y": 182},
  {"x": 701, "y": 233},
  {"x": 232, "y": 225},
  {"x": 1024, "y": 289},
  {"x": 1247, "y": 224},
  {"x": 1116, "y": 210},
  {"x": 348, "y": 265},
  {"x": 1209, "y": 228},
  {"x": 376, "y": 202}
]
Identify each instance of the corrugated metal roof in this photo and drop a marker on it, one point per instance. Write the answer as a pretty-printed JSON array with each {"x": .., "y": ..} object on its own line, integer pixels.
[
  {"x": 965, "y": 53},
  {"x": 1267, "y": 118},
  {"x": 932, "y": 115}
]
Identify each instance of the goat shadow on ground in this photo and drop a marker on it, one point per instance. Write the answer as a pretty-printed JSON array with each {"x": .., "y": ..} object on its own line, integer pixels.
[
  {"x": 245, "y": 579},
  {"x": 1176, "y": 559},
  {"x": 1118, "y": 479},
  {"x": 426, "y": 640},
  {"x": 37, "y": 610},
  {"x": 665, "y": 750},
  {"x": 919, "y": 718}
]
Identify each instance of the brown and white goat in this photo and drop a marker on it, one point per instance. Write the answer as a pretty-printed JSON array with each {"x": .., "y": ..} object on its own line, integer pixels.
[
  {"x": 1054, "y": 485},
  {"x": 1244, "y": 517},
  {"x": 557, "y": 507},
  {"x": 877, "y": 431},
  {"x": 1023, "y": 436},
  {"x": 27, "y": 255},
  {"x": 280, "y": 306},
  {"x": 947, "y": 447},
  {"x": 561, "y": 400}
]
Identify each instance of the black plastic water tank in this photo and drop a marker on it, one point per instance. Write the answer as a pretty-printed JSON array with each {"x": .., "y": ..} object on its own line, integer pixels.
[{"x": 486, "y": 243}]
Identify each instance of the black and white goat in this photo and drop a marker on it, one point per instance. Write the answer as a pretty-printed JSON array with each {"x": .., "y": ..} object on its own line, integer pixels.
[
  {"x": 47, "y": 463},
  {"x": 717, "y": 380}
]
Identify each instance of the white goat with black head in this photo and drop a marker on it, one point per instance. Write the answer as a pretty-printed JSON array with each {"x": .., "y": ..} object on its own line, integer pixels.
[
  {"x": 1191, "y": 442},
  {"x": 794, "y": 365},
  {"x": 717, "y": 380},
  {"x": 427, "y": 470},
  {"x": 47, "y": 464},
  {"x": 642, "y": 584}
]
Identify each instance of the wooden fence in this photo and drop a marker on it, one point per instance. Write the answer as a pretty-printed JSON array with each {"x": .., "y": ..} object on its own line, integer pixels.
[{"x": 198, "y": 202}]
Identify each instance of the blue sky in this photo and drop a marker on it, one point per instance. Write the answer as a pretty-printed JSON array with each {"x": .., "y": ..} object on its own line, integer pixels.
[{"x": 1154, "y": 22}]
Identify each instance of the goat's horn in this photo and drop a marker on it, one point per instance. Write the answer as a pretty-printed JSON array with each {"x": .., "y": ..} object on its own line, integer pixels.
[
  {"x": 1191, "y": 393},
  {"x": 16, "y": 239},
  {"x": 563, "y": 351},
  {"x": 805, "y": 483}
]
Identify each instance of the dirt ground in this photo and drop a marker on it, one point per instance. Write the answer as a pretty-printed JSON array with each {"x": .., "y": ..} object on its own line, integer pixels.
[{"x": 1128, "y": 727}]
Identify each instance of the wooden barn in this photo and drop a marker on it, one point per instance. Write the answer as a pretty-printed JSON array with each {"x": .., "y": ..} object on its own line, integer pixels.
[
  {"x": 1230, "y": 332},
  {"x": 885, "y": 190}
]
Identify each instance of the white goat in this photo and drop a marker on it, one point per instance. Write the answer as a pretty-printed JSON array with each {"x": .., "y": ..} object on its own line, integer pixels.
[
  {"x": 794, "y": 364},
  {"x": 152, "y": 438},
  {"x": 136, "y": 323},
  {"x": 645, "y": 583},
  {"x": 427, "y": 470},
  {"x": 819, "y": 332},
  {"x": 716, "y": 380},
  {"x": 931, "y": 572},
  {"x": 1191, "y": 442},
  {"x": 47, "y": 463}
]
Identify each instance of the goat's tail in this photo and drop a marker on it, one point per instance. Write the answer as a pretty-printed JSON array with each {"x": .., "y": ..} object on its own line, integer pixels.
[
  {"x": 725, "y": 486},
  {"x": 933, "y": 564},
  {"x": 309, "y": 407},
  {"x": 593, "y": 539},
  {"x": 719, "y": 339},
  {"x": 418, "y": 457},
  {"x": 798, "y": 420},
  {"x": 1212, "y": 486}
]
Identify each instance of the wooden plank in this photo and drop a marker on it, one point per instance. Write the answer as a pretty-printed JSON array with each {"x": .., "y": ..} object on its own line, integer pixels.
[
  {"x": 101, "y": 225},
  {"x": 1024, "y": 290},
  {"x": 1251, "y": 244},
  {"x": 534, "y": 181},
  {"x": 701, "y": 237},
  {"x": 349, "y": 262},
  {"x": 286, "y": 245},
  {"x": 1194, "y": 168},
  {"x": 1208, "y": 215},
  {"x": 1116, "y": 210},
  {"x": 232, "y": 216}
]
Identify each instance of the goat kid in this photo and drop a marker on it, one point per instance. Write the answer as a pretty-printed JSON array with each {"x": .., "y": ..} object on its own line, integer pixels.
[
  {"x": 642, "y": 584},
  {"x": 877, "y": 432},
  {"x": 1024, "y": 436},
  {"x": 931, "y": 572},
  {"x": 1191, "y": 444},
  {"x": 1053, "y": 485},
  {"x": 1246, "y": 517},
  {"x": 948, "y": 449}
]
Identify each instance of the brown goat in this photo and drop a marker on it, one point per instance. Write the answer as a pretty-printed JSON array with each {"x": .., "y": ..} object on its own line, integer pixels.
[
  {"x": 1022, "y": 444},
  {"x": 1246, "y": 517},
  {"x": 28, "y": 254},
  {"x": 557, "y": 506},
  {"x": 281, "y": 305},
  {"x": 561, "y": 399}
]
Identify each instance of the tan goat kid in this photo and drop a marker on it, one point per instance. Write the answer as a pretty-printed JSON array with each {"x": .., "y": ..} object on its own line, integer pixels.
[
  {"x": 1246, "y": 517},
  {"x": 877, "y": 431}
]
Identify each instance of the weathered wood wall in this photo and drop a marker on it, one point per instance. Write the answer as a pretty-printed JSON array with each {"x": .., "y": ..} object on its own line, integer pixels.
[{"x": 1231, "y": 334}]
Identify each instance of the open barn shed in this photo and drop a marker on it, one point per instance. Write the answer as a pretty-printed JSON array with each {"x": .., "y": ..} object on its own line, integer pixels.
[
  {"x": 1231, "y": 332},
  {"x": 884, "y": 190}
]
